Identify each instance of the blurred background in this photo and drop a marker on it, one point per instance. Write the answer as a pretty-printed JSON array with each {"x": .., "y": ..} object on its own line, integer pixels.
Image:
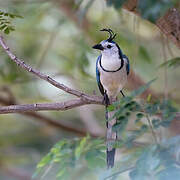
[{"x": 56, "y": 37}]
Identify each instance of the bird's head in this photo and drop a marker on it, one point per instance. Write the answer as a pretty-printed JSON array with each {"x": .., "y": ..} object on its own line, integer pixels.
[{"x": 108, "y": 47}]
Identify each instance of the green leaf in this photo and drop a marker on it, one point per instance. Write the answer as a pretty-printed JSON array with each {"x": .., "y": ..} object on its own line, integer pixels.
[
  {"x": 118, "y": 114},
  {"x": 57, "y": 149},
  {"x": 151, "y": 109},
  {"x": 7, "y": 30},
  {"x": 62, "y": 173},
  {"x": 149, "y": 98},
  {"x": 3, "y": 26},
  {"x": 139, "y": 115},
  {"x": 111, "y": 107},
  {"x": 6, "y": 14},
  {"x": 5, "y": 21},
  {"x": 121, "y": 118},
  {"x": 79, "y": 149},
  {"x": 127, "y": 114},
  {"x": 18, "y": 16},
  {"x": 12, "y": 16},
  {"x": 45, "y": 160},
  {"x": 175, "y": 62},
  {"x": 120, "y": 125}
]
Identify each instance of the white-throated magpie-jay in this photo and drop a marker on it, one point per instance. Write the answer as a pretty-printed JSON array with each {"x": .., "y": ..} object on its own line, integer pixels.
[{"x": 112, "y": 69}]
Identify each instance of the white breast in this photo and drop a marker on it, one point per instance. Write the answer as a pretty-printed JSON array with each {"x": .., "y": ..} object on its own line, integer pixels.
[
  {"x": 110, "y": 63},
  {"x": 112, "y": 82}
]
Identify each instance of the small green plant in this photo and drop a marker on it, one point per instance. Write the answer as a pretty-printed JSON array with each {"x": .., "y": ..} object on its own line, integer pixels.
[
  {"x": 157, "y": 114},
  {"x": 89, "y": 154},
  {"x": 69, "y": 154},
  {"x": 5, "y": 21}
]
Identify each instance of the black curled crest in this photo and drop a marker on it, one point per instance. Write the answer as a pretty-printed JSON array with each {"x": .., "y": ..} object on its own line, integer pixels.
[{"x": 112, "y": 35}]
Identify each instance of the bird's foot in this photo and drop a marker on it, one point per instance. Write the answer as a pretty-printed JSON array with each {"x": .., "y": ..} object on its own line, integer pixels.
[
  {"x": 122, "y": 93},
  {"x": 106, "y": 99}
]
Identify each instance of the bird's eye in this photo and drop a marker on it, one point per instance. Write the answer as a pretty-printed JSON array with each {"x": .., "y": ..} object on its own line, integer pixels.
[{"x": 109, "y": 46}]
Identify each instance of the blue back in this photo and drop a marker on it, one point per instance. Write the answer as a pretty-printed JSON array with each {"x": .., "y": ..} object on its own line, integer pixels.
[
  {"x": 98, "y": 76},
  {"x": 127, "y": 65}
]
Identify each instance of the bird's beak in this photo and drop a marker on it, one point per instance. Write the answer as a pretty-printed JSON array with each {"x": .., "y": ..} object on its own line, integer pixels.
[{"x": 98, "y": 46}]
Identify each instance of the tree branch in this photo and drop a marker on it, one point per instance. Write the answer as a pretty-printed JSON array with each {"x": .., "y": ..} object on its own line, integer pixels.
[
  {"x": 83, "y": 99},
  {"x": 43, "y": 76},
  {"x": 49, "y": 121},
  {"x": 62, "y": 106}
]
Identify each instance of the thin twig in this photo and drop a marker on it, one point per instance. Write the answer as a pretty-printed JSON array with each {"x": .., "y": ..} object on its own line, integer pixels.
[{"x": 153, "y": 133}]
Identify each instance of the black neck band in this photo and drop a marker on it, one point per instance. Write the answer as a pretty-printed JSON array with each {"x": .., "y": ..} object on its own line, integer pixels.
[{"x": 122, "y": 64}]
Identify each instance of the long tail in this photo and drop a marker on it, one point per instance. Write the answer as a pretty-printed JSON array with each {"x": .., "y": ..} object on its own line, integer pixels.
[
  {"x": 111, "y": 138},
  {"x": 110, "y": 158}
]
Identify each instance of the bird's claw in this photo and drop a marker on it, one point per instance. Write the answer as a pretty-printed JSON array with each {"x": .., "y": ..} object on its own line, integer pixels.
[{"x": 106, "y": 99}]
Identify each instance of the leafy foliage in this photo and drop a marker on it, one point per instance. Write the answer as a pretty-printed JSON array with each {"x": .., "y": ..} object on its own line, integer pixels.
[
  {"x": 69, "y": 154},
  {"x": 143, "y": 110},
  {"x": 5, "y": 21}
]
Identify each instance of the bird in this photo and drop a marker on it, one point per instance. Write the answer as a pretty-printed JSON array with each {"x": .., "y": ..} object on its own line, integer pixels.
[{"x": 112, "y": 70}]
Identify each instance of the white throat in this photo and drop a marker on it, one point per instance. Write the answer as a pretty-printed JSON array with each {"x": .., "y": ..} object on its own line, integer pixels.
[{"x": 110, "y": 62}]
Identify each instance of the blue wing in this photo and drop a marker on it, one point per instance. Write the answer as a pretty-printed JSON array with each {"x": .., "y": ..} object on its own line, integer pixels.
[
  {"x": 127, "y": 64},
  {"x": 98, "y": 76}
]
